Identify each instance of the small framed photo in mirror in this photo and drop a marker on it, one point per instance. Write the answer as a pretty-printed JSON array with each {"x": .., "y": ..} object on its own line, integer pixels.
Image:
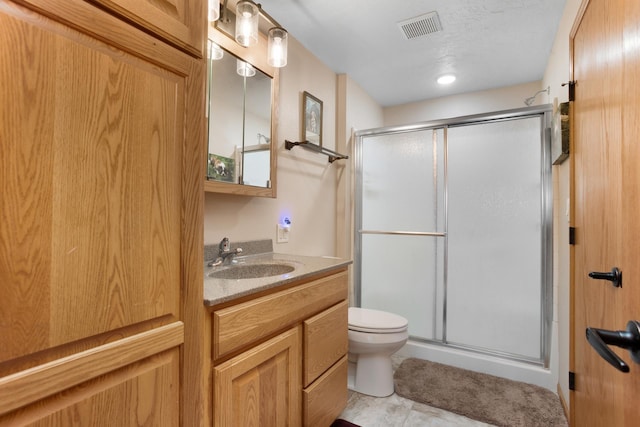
[{"x": 312, "y": 119}]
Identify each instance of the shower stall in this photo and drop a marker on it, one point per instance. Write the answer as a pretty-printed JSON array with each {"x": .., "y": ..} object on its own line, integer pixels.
[{"x": 453, "y": 230}]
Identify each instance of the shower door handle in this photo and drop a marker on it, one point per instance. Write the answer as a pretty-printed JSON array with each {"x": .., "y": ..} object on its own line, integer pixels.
[
  {"x": 615, "y": 276},
  {"x": 628, "y": 339}
]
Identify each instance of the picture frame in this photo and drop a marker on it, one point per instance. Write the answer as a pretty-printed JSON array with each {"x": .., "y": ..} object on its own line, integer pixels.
[
  {"x": 311, "y": 119},
  {"x": 221, "y": 168}
]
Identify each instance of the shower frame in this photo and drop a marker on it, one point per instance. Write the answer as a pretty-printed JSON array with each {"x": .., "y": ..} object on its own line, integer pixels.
[{"x": 544, "y": 112}]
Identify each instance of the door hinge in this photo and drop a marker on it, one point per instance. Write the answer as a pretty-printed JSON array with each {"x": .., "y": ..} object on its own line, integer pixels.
[
  {"x": 572, "y": 89},
  {"x": 572, "y": 235},
  {"x": 572, "y": 380}
]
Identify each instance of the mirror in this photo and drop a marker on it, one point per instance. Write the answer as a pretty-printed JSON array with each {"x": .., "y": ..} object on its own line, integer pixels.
[{"x": 241, "y": 104}]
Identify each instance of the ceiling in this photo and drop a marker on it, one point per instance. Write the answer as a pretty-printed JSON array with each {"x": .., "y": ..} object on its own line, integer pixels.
[{"x": 485, "y": 43}]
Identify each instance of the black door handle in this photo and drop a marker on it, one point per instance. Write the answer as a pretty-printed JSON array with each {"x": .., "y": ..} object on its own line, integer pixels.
[
  {"x": 614, "y": 276},
  {"x": 629, "y": 339}
]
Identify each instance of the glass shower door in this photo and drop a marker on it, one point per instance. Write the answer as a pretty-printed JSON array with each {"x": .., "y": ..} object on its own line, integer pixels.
[
  {"x": 401, "y": 229},
  {"x": 495, "y": 235}
]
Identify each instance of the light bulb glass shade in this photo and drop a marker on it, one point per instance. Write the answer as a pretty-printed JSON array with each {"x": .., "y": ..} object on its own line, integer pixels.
[
  {"x": 247, "y": 23},
  {"x": 277, "y": 47},
  {"x": 216, "y": 52},
  {"x": 245, "y": 70},
  {"x": 214, "y": 10}
]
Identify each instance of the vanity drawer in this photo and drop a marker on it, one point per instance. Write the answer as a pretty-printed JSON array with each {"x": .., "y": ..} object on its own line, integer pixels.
[
  {"x": 237, "y": 326},
  {"x": 325, "y": 341},
  {"x": 326, "y": 398}
]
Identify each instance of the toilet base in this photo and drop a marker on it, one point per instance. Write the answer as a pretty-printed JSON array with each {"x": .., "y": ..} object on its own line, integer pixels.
[{"x": 374, "y": 375}]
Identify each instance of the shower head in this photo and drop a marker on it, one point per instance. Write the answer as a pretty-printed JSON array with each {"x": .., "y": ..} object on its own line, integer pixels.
[
  {"x": 266, "y": 138},
  {"x": 529, "y": 101}
]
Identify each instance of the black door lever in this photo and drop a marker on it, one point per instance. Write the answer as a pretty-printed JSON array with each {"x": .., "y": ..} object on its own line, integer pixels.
[
  {"x": 629, "y": 339},
  {"x": 615, "y": 276}
]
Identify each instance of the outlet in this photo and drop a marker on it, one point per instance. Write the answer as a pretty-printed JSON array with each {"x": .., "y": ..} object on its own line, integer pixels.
[{"x": 282, "y": 233}]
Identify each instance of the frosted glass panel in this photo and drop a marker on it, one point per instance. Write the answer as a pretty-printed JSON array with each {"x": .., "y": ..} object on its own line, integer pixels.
[
  {"x": 399, "y": 178},
  {"x": 494, "y": 236},
  {"x": 399, "y": 275}
]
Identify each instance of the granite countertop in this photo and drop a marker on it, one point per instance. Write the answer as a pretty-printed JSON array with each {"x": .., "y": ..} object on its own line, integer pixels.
[{"x": 217, "y": 291}]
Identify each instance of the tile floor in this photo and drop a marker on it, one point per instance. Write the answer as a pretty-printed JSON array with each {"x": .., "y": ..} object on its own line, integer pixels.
[{"x": 396, "y": 411}]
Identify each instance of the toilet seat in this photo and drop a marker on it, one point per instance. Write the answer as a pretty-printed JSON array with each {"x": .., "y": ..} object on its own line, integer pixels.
[{"x": 375, "y": 321}]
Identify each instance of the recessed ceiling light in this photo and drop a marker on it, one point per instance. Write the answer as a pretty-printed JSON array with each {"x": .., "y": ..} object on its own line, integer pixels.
[{"x": 446, "y": 79}]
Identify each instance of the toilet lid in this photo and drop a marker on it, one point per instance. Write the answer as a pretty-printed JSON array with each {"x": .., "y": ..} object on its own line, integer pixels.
[{"x": 376, "y": 321}]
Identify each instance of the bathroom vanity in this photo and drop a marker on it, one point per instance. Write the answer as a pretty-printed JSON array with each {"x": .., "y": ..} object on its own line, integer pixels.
[{"x": 278, "y": 343}]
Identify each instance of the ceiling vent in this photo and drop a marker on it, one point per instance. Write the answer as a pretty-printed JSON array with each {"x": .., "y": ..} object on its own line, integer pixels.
[{"x": 420, "y": 25}]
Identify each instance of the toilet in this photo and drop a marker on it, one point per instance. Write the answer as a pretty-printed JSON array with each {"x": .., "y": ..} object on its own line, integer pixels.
[{"x": 374, "y": 336}]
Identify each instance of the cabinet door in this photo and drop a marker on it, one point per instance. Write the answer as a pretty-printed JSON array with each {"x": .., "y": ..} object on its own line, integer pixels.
[
  {"x": 327, "y": 397},
  {"x": 180, "y": 22},
  {"x": 260, "y": 387},
  {"x": 325, "y": 341},
  {"x": 100, "y": 247}
]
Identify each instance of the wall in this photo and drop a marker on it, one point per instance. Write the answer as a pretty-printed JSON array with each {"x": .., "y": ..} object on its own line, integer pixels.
[
  {"x": 556, "y": 73},
  {"x": 463, "y": 105},
  {"x": 356, "y": 110}
]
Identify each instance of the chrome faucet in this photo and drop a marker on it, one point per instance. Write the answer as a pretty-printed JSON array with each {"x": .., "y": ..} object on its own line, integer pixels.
[{"x": 224, "y": 253}]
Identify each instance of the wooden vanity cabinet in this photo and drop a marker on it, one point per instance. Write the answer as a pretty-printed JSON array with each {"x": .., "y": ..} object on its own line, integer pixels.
[{"x": 280, "y": 358}]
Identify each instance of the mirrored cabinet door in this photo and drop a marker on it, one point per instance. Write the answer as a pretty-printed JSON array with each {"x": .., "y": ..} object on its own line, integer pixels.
[{"x": 240, "y": 148}]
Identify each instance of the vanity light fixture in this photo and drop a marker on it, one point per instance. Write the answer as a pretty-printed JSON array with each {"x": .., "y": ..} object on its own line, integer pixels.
[
  {"x": 277, "y": 47},
  {"x": 216, "y": 52},
  {"x": 245, "y": 69},
  {"x": 247, "y": 18},
  {"x": 247, "y": 23},
  {"x": 214, "y": 10},
  {"x": 446, "y": 79}
]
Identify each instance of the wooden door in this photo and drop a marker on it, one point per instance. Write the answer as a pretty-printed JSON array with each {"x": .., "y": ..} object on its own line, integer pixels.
[
  {"x": 100, "y": 223},
  {"x": 262, "y": 386},
  {"x": 606, "y": 204}
]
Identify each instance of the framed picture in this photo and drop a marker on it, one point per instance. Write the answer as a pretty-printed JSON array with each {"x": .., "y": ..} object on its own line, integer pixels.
[
  {"x": 312, "y": 119},
  {"x": 221, "y": 168}
]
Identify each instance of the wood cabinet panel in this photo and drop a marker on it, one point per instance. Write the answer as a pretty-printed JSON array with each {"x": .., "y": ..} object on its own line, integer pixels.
[
  {"x": 261, "y": 387},
  {"x": 106, "y": 162},
  {"x": 325, "y": 399},
  {"x": 102, "y": 130},
  {"x": 242, "y": 324},
  {"x": 325, "y": 341},
  {"x": 143, "y": 393},
  {"x": 49, "y": 378},
  {"x": 181, "y": 23}
]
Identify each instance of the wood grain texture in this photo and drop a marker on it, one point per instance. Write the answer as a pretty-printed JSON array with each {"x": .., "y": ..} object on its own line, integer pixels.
[
  {"x": 325, "y": 340},
  {"x": 114, "y": 394},
  {"x": 102, "y": 206},
  {"x": 261, "y": 387},
  {"x": 326, "y": 398},
  {"x": 181, "y": 23},
  {"x": 33, "y": 384},
  {"x": 26, "y": 200},
  {"x": 605, "y": 64},
  {"x": 110, "y": 214},
  {"x": 242, "y": 324}
]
